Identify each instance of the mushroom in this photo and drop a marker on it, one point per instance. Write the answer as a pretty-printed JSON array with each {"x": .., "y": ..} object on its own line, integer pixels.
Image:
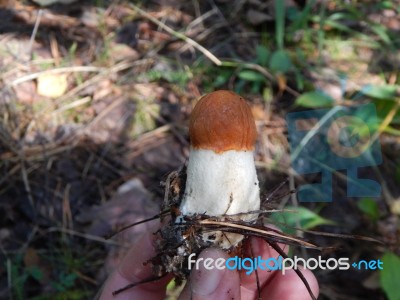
[{"x": 221, "y": 174}]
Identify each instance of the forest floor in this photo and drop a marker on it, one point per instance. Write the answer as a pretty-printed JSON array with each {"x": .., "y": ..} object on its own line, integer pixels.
[{"x": 94, "y": 104}]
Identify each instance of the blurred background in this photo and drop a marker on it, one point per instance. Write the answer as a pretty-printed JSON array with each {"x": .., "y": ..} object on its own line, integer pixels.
[{"x": 94, "y": 104}]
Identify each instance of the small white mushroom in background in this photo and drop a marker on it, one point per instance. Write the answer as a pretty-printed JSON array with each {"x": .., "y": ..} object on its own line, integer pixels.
[{"x": 221, "y": 174}]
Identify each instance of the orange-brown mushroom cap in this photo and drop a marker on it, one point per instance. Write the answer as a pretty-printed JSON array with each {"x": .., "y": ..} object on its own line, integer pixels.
[{"x": 222, "y": 121}]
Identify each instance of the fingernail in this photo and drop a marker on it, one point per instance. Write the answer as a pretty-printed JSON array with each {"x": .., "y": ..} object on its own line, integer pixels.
[{"x": 205, "y": 281}]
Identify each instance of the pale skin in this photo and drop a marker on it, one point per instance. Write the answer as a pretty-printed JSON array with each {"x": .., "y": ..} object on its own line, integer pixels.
[{"x": 208, "y": 284}]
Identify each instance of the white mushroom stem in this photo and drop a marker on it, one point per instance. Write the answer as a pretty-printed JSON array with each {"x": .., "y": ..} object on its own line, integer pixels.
[{"x": 221, "y": 184}]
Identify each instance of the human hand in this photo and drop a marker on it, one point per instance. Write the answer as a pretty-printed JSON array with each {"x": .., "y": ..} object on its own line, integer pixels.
[{"x": 208, "y": 284}]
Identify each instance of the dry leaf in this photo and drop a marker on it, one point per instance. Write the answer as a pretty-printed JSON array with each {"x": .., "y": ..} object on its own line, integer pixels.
[
  {"x": 372, "y": 281},
  {"x": 281, "y": 79},
  {"x": 256, "y": 18},
  {"x": 31, "y": 258},
  {"x": 26, "y": 92},
  {"x": 258, "y": 112},
  {"x": 120, "y": 52}
]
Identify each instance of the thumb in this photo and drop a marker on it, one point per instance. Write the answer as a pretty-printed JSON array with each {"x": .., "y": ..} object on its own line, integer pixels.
[{"x": 208, "y": 282}]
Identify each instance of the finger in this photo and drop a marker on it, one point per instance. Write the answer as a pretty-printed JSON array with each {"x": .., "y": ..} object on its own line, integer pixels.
[
  {"x": 132, "y": 270},
  {"x": 290, "y": 286},
  {"x": 210, "y": 284},
  {"x": 254, "y": 248}
]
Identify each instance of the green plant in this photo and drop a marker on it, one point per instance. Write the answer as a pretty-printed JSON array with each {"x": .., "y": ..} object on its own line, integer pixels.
[
  {"x": 369, "y": 207},
  {"x": 20, "y": 274},
  {"x": 65, "y": 281},
  {"x": 389, "y": 275},
  {"x": 293, "y": 217},
  {"x": 256, "y": 80},
  {"x": 315, "y": 99},
  {"x": 387, "y": 104}
]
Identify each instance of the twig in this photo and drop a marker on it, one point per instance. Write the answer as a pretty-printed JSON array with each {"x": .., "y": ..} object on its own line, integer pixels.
[
  {"x": 155, "y": 217},
  {"x": 86, "y": 278},
  {"x": 295, "y": 203},
  {"x": 27, "y": 184},
  {"x": 314, "y": 130},
  {"x": 201, "y": 19},
  {"x": 86, "y": 236},
  {"x": 66, "y": 209},
  {"x": 55, "y": 71},
  {"x": 201, "y": 36},
  {"x": 259, "y": 69},
  {"x": 105, "y": 111},
  {"x": 29, "y": 239},
  {"x": 33, "y": 153},
  {"x": 104, "y": 73},
  {"x": 298, "y": 272},
  {"x": 256, "y": 272},
  {"x": 34, "y": 32},
  {"x": 264, "y": 232},
  {"x": 178, "y": 35},
  {"x": 9, "y": 278},
  {"x": 132, "y": 285},
  {"x": 388, "y": 119},
  {"x": 72, "y": 105}
]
